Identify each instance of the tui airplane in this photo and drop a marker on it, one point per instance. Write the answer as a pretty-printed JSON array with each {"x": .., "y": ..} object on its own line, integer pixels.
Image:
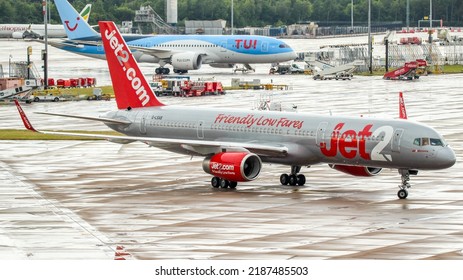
[{"x": 183, "y": 52}]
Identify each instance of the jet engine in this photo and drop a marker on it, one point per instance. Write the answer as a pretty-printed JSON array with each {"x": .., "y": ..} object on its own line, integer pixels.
[
  {"x": 186, "y": 61},
  {"x": 18, "y": 35},
  {"x": 363, "y": 171},
  {"x": 233, "y": 166}
]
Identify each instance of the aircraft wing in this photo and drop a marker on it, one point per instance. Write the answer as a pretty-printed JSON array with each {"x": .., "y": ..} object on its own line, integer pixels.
[
  {"x": 197, "y": 147},
  {"x": 66, "y": 43},
  {"x": 160, "y": 53}
]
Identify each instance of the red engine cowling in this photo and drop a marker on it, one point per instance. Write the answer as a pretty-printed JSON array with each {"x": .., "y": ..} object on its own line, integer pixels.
[
  {"x": 233, "y": 166},
  {"x": 363, "y": 171}
]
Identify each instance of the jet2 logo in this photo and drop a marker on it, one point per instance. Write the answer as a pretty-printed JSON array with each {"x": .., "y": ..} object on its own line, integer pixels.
[
  {"x": 123, "y": 56},
  {"x": 75, "y": 26},
  {"x": 351, "y": 143}
]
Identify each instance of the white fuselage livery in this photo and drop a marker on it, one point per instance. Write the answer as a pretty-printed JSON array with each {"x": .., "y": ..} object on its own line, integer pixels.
[{"x": 16, "y": 31}]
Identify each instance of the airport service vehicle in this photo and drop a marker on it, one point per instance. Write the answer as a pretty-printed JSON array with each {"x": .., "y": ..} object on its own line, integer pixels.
[
  {"x": 286, "y": 69},
  {"x": 12, "y": 92},
  {"x": 46, "y": 97},
  {"x": 324, "y": 71},
  {"x": 183, "y": 52},
  {"x": 410, "y": 70},
  {"x": 235, "y": 142}
]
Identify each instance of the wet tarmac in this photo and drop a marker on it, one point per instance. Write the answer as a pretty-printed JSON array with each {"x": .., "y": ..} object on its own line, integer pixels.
[{"x": 81, "y": 199}]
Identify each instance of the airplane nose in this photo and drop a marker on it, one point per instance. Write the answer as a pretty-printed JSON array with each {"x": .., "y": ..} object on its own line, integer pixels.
[
  {"x": 293, "y": 55},
  {"x": 446, "y": 158}
]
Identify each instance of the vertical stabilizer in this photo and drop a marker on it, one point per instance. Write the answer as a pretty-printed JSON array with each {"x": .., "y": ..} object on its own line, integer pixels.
[
  {"x": 75, "y": 26},
  {"x": 402, "y": 111},
  {"x": 130, "y": 86},
  {"x": 85, "y": 13}
]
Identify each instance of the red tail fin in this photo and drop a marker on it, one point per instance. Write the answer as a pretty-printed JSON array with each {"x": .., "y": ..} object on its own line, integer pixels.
[
  {"x": 402, "y": 111},
  {"x": 24, "y": 118},
  {"x": 130, "y": 86}
]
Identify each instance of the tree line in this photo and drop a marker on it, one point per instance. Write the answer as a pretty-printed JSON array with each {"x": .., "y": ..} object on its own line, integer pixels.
[{"x": 248, "y": 12}]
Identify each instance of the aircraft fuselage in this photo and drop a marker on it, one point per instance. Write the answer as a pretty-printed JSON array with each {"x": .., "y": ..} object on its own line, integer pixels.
[{"x": 311, "y": 139}]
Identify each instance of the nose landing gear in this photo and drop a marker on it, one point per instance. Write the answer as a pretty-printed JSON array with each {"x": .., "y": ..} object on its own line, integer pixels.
[{"x": 403, "y": 192}]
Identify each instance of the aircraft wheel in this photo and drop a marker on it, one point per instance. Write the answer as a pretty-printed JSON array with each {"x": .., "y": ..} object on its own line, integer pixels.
[
  {"x": 284, "y": 179},
  {"x": 215, "y": 182},
  {"x": 165, "y": 71},
  {"x": 402, "y": 194},
  {"x": 224, "y": 183},
  {"x": 233, "y": 185},
  {"x": 301, "y": 179},
  {"x": 157, "y": 70},
  {"x": 292, "y": 180}
]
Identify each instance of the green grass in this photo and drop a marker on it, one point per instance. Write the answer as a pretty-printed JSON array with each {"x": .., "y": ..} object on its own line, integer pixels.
[
  {"x": 453, "y": 69},
  {"x": 17, "y": 134}
]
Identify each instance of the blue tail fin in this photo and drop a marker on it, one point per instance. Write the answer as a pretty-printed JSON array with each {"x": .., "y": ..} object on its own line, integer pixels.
[{"x": 75, "y": 26}]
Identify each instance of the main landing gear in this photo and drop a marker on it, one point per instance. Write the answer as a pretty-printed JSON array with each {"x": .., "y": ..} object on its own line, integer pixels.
[
  {"x": 219, "y": 182},
  {"x": 403, "y": 192},
  {"x": 162, "y": 70},
  {"x": 294, "y": 178}
]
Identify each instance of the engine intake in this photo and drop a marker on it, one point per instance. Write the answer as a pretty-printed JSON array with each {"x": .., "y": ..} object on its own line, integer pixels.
[
  {"x": 233, "y": 166},
  {"x": 363, "y": 171},
  {"x": 186, "y": 61}
]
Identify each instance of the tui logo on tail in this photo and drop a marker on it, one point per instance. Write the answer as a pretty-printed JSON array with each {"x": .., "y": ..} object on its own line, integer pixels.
[{"x": 72, "y": 28}]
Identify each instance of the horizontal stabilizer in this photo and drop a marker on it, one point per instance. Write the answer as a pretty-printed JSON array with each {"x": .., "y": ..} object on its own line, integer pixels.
[{"x": 105, "y": 120}]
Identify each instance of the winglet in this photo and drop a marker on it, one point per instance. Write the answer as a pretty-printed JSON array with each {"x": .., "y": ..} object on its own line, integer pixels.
[
  {"x": 402, "y": 111},
  {"x": 24, "y": 118},
  {"x": 130, "y": 86}
]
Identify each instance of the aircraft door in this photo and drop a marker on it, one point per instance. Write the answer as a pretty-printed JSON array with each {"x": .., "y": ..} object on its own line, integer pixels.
[
  {"x": 395, "y": 144},
  {"x": 223, "y": 46},
  {"x": 142, "y": 123},
  {"x": 321, "y": 131},
  {"x": 200, "y": 129},
  {"x": 264, "y": 46}
]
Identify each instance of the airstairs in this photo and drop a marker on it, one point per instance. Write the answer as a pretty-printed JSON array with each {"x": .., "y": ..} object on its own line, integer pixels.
[{"x": 148, "y": 16}]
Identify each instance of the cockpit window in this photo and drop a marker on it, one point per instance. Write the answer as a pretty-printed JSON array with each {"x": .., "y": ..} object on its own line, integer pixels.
[
  {"x": 436, "y": 142},
  {"x": 283, "y": 46},
  {"x": 424, "y": 141}
]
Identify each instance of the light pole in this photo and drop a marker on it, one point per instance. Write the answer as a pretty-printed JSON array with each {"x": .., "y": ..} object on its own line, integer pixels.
[
  {"x": 45, "y": 52},
  {"x": 408, "y": 15},
  {"x": 231, "y": 20},
  {"x": 352, "y": 16},
  {"x": 370, "y": 52},
  {"x": 9, "y": 65},
  {"x": 430, "y": 21}
]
